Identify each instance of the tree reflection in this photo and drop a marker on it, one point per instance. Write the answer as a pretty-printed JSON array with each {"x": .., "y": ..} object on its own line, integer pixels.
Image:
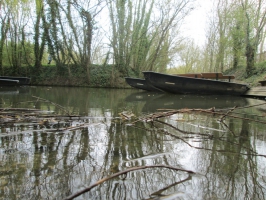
[
  {"x": 232, "y": 174},
  {"x": 50, "y": 163}
]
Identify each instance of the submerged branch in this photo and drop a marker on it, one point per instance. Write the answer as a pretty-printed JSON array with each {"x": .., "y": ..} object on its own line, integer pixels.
[
  {"x": 159, "y": 193},
  {"x": 208, "y": 149},
  {"x": 42, "y": 120},
  {"x": 122, "y": 173},
  {"x": 212, "y": 111},
  {"x": 55, "y": 104},
  {"x": 219, "y": 150}
]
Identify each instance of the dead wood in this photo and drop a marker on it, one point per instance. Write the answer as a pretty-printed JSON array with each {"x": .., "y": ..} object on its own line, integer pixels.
[
  {"x": 212, "y": 111},
  {"x": 55, "y": 104},
  {"x": 159, "y": 192},
  {"x": 122, "y": 173},
  {"x": 210, "y": 137}
]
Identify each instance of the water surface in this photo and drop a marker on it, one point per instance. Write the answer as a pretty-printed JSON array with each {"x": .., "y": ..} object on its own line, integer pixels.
[{"x": 59, "y": 157}]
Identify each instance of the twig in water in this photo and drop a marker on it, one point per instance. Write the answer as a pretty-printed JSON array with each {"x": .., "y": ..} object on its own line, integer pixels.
[
  {"x": 227, "y": 113},
  {"x": 121, "y": 173},
  {"x": 55, "y": 104}
]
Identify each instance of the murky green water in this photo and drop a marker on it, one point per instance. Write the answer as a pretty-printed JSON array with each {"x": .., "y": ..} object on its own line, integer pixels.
[{"x": 62, "y": 157}]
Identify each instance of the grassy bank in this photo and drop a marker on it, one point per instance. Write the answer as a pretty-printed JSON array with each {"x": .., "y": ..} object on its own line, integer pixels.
[
  {"x": 107, "y": 76},
  {"x": 71, "y": 75},
  {"x": 258, "y": 74}
]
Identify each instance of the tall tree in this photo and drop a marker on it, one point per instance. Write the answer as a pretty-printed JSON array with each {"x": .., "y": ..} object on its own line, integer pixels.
[
  {"x": 39, "y": 38},
  {"x": 14, "y": 32},
  {"x": 222, "y": 14},
  {"x": 210, "y": 49},
  {"x": 170, "y": 15},
  {"x": 143, "y": 31},
  {"x": 189, "y": 57},
  {"x": 254, "y": 13},
  {"x": 5, "y": 23},
  {"x": 237, "y": 34}
]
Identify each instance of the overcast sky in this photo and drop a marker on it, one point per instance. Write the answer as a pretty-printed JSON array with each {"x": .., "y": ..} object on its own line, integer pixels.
[{"x": 195, "y": 24}]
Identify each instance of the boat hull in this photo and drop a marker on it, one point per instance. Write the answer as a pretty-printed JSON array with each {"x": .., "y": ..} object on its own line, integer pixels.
[
  {"x": 8, "y": 82},
  {"x": 187, "y": 85},
  {"x": 22, "y": 80},
  {"x": 140, "y": 84}
]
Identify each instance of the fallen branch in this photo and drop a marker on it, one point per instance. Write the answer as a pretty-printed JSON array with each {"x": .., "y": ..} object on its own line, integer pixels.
[
  {"x": 121, "y": 173},
  {"x": 212, "y": 111},
  {"x": 227, "y": 113},
  {"x": 208, "y": 149},
  {"x": 159, "y": 192},
  {"x": 55, "y": 104}
]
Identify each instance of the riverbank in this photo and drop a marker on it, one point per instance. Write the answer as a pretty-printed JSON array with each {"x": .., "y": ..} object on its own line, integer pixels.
[
  {"x": 258, "y": 74},
  {"x": 107, "y": 77}
]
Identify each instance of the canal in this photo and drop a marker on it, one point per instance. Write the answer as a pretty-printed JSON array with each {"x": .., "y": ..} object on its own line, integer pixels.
[{"x": 192, "y": 147}]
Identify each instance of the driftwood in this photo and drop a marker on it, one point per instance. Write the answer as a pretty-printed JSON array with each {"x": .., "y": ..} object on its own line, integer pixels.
[
  {"x": 158, "y": 193},
  {"x": 29, "y": 115},
  {"x": 230, "y": 113},
  {"x": 44, "y": 120},
  {"x": 123, "y": 173},
  {"x": 210, "y": 137}
]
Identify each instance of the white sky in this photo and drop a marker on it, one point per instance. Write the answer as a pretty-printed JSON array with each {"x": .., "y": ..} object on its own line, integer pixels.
[{"x": 196, "y": 23}]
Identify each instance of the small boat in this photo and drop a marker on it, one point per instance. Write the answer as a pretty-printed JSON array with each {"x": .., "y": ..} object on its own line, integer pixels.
[
  {"x": 140, "y": 84},
  {"x": 21, "y": 80},
  {"x": 8, "y": 82},
  {"x": 189, "y": 85}
]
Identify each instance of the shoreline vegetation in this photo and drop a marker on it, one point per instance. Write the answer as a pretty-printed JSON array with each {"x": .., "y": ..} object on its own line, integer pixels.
[{"x": 107, "y": 77}]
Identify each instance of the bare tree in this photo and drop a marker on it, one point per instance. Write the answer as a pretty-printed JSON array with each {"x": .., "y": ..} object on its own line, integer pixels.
[
  {"x": 143, "y": 32},
  {"x": 13, "y": 32}
]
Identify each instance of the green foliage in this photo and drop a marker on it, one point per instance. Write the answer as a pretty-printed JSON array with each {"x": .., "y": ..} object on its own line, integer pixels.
[
  {"x": 259, "y": 70},
  {"x": 46, "y": 72},
  {"x": 100, "y": 76},
  {"x": 257, "y": 74}
]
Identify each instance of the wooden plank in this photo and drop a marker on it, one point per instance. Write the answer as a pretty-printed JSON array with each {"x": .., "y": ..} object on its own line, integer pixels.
[
  {"x": 256, "y": 91},
  {"x": 263, "y": 83},
  {"x": 191, "y": 75},
  {"x": 214, "y": 75},
  {"x": 207, "y": 75},
  {"x": 228, "y": 77}
]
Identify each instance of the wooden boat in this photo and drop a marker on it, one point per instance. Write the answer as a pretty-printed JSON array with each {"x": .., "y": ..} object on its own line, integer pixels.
[
  {"x": 140, "y": 84},
  {"x": 22, "y": 80},
  {"x": 188, "y": 85},
  {"x": 8, "y": 82}
]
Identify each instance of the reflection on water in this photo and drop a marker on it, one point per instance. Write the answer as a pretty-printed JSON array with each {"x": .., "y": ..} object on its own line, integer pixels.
[
  {"x": 155, "y": 101},
  {"x": 42, "y": 163}
]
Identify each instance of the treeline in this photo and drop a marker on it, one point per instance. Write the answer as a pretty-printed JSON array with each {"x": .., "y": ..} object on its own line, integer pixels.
[
  {"x": 235, "y": 37},
  {"x": 131, "y": 36},
  {"x": 139, "y": 34}
]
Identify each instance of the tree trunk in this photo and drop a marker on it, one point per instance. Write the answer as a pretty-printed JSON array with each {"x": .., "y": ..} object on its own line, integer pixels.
[
  {"x": 88, "y": 40},
  {"x": 250, "y": 57},
  {"x": 237, "y": 45},
  {"x": 4, "y": 29},
  {"x": 37, "y": 52}
]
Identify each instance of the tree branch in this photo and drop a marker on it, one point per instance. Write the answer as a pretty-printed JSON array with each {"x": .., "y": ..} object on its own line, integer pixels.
[{"x": 121, "y": 173}]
